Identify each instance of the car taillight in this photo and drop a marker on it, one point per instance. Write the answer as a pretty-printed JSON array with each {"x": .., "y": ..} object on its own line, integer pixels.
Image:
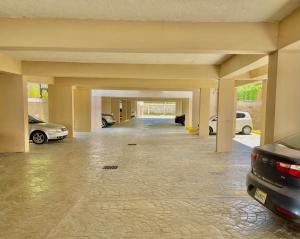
[
  {"x": 291, "y": 169},
  {"x": 253, "y": 155},
  {"x": 295, "y": 171},
  {"x": 286, "y": 212}
]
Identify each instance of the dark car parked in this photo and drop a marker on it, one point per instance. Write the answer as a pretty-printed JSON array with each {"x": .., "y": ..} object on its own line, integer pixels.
[
  {"x": 274, "y": 179},
  {"x": 180, "y": 119}
]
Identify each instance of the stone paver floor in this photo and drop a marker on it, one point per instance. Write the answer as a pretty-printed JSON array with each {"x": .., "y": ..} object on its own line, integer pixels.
[{"x": 170, "y": 185}]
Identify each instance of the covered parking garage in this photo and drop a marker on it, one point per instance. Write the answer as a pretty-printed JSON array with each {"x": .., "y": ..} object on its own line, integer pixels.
[{"x": 171, "y": 182}]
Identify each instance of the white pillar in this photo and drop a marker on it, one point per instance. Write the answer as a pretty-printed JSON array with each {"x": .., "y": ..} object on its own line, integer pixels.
[{"x": 225, "y": 115}]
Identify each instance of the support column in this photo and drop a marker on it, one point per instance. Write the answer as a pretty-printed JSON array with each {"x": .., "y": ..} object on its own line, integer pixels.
[
  {"x": 82, "y": 110},
  {"x": 178, "y": 107},
  {"x": 124, "y": 110},
  {"x": 225, "y": 115},
  {"x": 185, "y": 110},
  {"x": 282, "y": 116},
  {"x": 115, "y": 109},
  {"x": 194, "y": 114},
  {"x": 14, "y": 114},
  {"x": 234, "y": 111},
  {"x": 134, "y": 107},
  {"x": 96, "y": 114},
  {"x": 61, "y": 106},
  {"x": 106, "y": 105},
  {"x": 204, "y": 110},
  {"x": 128, "y": 109}
]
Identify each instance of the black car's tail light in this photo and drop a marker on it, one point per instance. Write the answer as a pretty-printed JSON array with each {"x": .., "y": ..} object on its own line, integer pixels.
[
  {"x": 254, "y": 155},
  {"x": 286, "y": 212},
  {"x": 291, "y": 169}
]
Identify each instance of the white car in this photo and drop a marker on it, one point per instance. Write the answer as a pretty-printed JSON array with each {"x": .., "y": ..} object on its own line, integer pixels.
[
  {"x": 243, "y": 123},
  {"x": 40, "y": 132},
  {"x": 107, "y": 120}
]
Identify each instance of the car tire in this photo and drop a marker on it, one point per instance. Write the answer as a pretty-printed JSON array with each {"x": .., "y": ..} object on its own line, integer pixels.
[
  {"x": 211, "y": 131},
  {"x": 104, "y": 123},
  {"x": 247, "y": 130},
  {"x": 39, "y": 137}
]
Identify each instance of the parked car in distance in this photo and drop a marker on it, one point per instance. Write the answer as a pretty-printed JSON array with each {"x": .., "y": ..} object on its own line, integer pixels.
[
  {"x": 243, "y": 123},
  {"x": 107, "y": 120},
  {"x": 40, "y": 132},
  {"x": 274, "y": 179},
  {"x": 180, "y": 120}
]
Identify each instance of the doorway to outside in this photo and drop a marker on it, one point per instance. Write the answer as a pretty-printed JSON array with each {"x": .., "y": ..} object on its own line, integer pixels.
[{"x": 156, "y": 109}]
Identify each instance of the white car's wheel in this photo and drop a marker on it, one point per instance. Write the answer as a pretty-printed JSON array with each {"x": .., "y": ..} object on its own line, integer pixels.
[
  {"x": 211, "y": 131},
  {"x": 246, "y": 130},
  {"x": 39, "y": 137},
  {"x": 104, "y": 123}
]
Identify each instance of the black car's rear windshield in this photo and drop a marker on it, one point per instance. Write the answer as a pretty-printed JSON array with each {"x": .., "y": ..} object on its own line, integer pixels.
[{"x": 292, "y": 142}]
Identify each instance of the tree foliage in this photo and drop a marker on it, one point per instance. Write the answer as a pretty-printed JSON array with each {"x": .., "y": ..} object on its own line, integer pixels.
[{"x": 248, "y": 92}]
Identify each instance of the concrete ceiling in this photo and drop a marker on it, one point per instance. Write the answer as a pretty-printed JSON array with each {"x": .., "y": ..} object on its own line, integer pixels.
[
  {"x": 152, "y": 10},
  {"x": 126, "y": 58}
]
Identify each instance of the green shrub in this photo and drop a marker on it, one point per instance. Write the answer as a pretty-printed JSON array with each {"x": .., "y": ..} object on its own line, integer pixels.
[{"x": 248, "y": 92}]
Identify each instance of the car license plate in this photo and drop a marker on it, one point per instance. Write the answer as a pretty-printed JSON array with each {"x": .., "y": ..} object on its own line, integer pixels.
[{"x": 260, "y": 196}]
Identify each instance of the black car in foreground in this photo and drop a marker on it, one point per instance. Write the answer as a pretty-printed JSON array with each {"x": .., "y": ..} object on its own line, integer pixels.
[
  {"x": 274, "y": 179},
  {"x": 180, "y": 120}
]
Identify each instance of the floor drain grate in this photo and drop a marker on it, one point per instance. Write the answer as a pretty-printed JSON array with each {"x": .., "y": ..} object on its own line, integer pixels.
[
  {"x": 131, "y": 144},
  {"x": 110, "y": 167}
]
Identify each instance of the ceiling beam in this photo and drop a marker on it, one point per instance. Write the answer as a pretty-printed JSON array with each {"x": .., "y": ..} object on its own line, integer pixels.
[
  {"x": 137, "y": 84},
  {"x": 139, "y": 37},
  {"x": 240, "y": 64},
  {"x": 136, "y": 71},
  {"x": 10, "y": 65},
  {"x": 289, "y": 29}
]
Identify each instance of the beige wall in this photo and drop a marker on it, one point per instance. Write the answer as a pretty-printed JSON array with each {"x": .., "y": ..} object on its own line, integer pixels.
[
  {"x": 39, "y": 108},
  {"x": 13, "y": 111},
  {"x": 106, "y": 105},
  {"x": 213, "y": 102},
  {"x": 204, "y": 113},
  {"x": 195, "y": 109},
  {"x": 96, "y": 114},
  {"x": 178, "y": 107},
  {"x": 82, "y": 110},
  {"x": 115, "y": 107},
  {"x": 185, "y": 110},
  {"x": 61, "y": 106},
  {"x": 124, "y": 110}
]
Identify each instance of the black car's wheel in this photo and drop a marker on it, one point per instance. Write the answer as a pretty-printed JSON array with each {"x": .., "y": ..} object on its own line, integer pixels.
[
  {"x": 211, "y": 131},
  {"x": 246, "y": 130},
  {"x": 39, "y": 137},
  {"x": 104, "y": 123}
]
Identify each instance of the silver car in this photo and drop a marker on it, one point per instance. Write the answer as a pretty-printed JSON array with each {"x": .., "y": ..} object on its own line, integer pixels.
[{"x": 40, "y": 132}]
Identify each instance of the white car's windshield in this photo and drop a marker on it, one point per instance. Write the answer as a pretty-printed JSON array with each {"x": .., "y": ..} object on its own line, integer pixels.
[{"x": 34, "y": 120}]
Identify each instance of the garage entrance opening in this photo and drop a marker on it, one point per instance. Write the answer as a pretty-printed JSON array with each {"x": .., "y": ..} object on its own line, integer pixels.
[
  {"x": 249, "y": 118},
  {"x": 156, "y": 109}
]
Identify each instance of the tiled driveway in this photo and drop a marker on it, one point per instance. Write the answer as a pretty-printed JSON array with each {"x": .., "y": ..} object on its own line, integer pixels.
[{"x": 170, "y": 185}]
